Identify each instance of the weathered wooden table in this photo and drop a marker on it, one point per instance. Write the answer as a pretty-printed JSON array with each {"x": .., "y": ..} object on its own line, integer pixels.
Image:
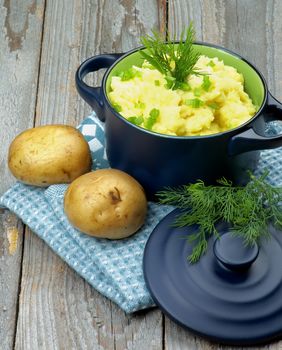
[{"x": 43, "y": 303}]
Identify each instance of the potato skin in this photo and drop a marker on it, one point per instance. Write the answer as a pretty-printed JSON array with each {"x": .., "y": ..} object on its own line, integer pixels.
[
  {"x": 106, "y": 203},
  {"x": 49, "y": 154}
]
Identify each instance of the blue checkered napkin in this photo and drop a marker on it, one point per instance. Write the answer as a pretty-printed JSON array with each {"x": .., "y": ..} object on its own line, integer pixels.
[{"x": 114, "y": 268}]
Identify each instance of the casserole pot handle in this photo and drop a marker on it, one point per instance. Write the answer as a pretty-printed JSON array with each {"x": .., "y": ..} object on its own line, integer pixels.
[
  {"x": 93, "y": 95},
  {"x": 250, "y": 140}
]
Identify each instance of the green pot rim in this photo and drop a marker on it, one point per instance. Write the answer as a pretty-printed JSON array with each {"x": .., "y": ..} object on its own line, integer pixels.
[{"x": 217, "y": 47}]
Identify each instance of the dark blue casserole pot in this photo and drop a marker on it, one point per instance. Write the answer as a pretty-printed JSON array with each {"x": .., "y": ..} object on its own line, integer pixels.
[{"x": 158, "y": 160}]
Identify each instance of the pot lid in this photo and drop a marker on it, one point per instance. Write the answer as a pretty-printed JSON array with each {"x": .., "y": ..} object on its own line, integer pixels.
[{"x": 233, "y": 295}]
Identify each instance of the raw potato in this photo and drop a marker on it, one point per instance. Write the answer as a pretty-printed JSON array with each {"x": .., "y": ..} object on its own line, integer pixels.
[
  {"x": 106, "y": 203},
  {"x": 49, "y": 154}
]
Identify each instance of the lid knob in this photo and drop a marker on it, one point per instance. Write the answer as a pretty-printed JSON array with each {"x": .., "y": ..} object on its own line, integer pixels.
[{"x": 232, "y": 252}]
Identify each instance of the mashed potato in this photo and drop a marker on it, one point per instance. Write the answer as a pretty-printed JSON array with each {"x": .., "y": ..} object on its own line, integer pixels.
[{"x": 208, "y": 103}]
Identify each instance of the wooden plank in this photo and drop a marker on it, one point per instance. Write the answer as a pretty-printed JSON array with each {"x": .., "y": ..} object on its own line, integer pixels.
[
  {"x": 230, "y": 24},
  {"x": 143, "y": 330},
  {"x": 20, "y": 38},
  {"x": 273, "y": 28},
  {"x": 20, "y": 42},
  {"x": 65, "y": 313},
  {"x": 11, "y": 237}
]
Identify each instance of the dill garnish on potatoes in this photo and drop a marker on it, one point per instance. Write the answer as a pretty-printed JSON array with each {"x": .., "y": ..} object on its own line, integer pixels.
[
  {"x": 176, "y": 60},
  {"x": 248, "y": 209}
]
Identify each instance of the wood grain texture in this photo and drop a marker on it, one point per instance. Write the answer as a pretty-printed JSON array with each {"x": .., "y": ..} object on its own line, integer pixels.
[
  {"x": 20, "y": 42},
  {"x": 60, "y": 309},
  {"x": 273, "y": 52},
  {"x": 11, "y": 237},
  {"x": 252, "y": 29}
]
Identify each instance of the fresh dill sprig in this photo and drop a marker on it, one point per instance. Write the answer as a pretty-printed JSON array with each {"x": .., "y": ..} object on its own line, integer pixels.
[
  {"x": 174, "y": 60},
  {"x": 248, "y": 209}
]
